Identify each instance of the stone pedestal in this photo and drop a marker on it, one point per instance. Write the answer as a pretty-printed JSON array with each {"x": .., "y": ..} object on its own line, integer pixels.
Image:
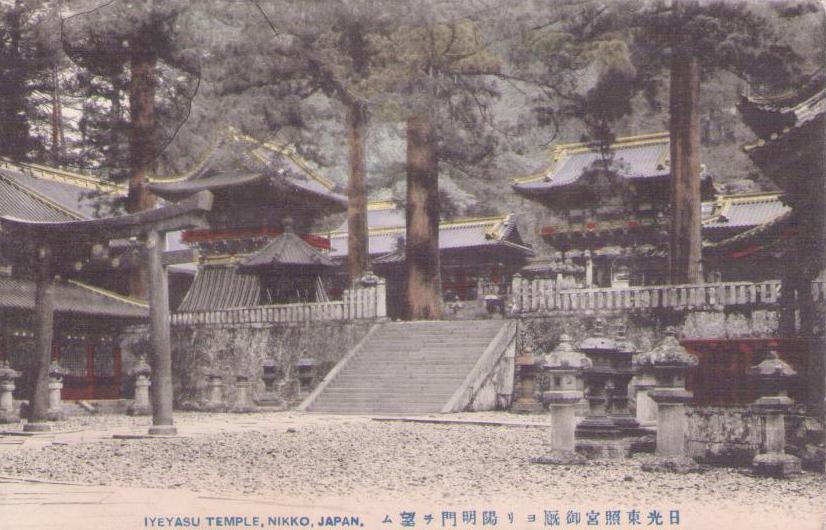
[
  {"x": 141, "y": 406},
  {"x": 8, "y": 413},
  {"x": 270, "y": 397},
  {"x": 597, "y": 424},
  {"x": 646, "y": 413},
  {"x": 773, "y": 378},
  {"x": 243, "y": 403},
  {"x": 214, "y": 393},
  {"x": 671, "y": 420},
  {"x": 55, "y": 412},
  {"x": 526, "y": 402}
]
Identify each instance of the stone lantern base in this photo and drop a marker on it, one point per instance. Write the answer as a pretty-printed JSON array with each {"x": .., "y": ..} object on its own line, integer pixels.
[
  {"x": 778, "y": 465},
  {"x": 560, "y": 458}
]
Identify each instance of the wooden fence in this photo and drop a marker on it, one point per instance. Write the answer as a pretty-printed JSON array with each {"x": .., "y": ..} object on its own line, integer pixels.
[
  {"x": 356, "y": 304},
  {"x": 540, "y": 295}
]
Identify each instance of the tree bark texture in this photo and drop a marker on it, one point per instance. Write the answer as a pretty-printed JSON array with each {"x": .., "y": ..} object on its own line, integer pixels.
[
  {"x": 14, "y": 132},
  {"x": 685, "y": 242},
  {"x": 358, "y": 250},
  {"x": 143, "y": 82},
  {"x": 44, "y": 331},
  {"x": 424, "y": 293}
]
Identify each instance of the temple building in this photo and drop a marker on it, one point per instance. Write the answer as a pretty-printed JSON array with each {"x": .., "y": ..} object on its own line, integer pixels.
[
  {"x": 259, "y": 249},
  {"x": 606, "y": 211},
  {"x": 89, "y": 318},
  {"x": 478, "y": 256}
]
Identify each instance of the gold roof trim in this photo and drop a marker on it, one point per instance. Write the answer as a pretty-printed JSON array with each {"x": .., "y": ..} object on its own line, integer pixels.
[
  {"x": 496, "y": 223},
  {"x": 79, "y": 180},
  {"x": 374, "y": 206},
  {"x": 723, "y": 203},
  {"x": 559, "y": 152},
  {"x": 44, "y": 199},
  {"x": 110, "y": 294}
]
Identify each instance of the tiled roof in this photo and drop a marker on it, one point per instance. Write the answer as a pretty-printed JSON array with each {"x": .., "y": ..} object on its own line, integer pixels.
[
  {"x": 637, "y": 157},
  {"x": 216, "y": 287},
  {"x": 457, "y": 234},
  {"x": 73, "y": 192},
  {"x": 801, "y": 114},
  {"x": 71, "y": 297},
  {"x": 219, "y": 168},
  {"x": 381, "y": 214},
  {"x": 21, "y": 202},
  {"x": 744, "y": 211},
  {"x": 287, "y": 249}
]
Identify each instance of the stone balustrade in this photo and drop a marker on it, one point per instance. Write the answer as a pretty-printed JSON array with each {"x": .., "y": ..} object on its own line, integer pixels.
[
  {"x": 542, "y": 295},
  {"x": 361, "y": 303}
]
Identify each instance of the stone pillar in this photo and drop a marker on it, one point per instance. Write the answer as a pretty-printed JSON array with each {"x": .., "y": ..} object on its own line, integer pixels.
[
  {"x": 8, "y": 414},
  {"x": 56, "y": 373},
  {"x": 646, "y": 412},
  {"x": 589, "y": 269},
  {"x": 215, "y": 392},
  {"x": 526, "y": 365},
  {"x": 773, "y": 377},
  {"x": 563, "y": 366},
  {"x": 141, "y": 406},
  {"x": 243, "y": 403},
  {"x": 669, "y": 362}
]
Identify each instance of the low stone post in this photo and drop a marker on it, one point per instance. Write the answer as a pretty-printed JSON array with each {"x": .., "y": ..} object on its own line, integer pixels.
[
  {"x": 646, "y": 412},
  {"x": 527, "y": 364},
  {"x": 8, "y": 414},
  {"x": 141, "y": 406},
  {"x": 669, "y": 362},
  {"x": 564, "y": 367},
  {"x": 243, "y": 403},
  {"x": 215, "y": 392},
  {"x": 773, "y": 377},
  {"x": 56, "y": 373}
]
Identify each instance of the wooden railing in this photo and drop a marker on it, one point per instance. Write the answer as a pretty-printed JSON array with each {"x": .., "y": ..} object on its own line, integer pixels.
[
  {"x": 540, "y": 295},
  {"x": 356, "y": 304}
]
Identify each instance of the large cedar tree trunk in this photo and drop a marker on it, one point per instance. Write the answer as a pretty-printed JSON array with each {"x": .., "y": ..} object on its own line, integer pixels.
[
  {"x": 685, "y": 242},
  {"x": 424, "y": 296},
  {"x": 143, "y": 82},
  {"x": 358, "y": 250},
  {"x": 14, "y": 132}
]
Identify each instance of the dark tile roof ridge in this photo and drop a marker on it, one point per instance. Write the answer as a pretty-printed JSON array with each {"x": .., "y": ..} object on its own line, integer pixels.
[{"x": 48, "y": 201}]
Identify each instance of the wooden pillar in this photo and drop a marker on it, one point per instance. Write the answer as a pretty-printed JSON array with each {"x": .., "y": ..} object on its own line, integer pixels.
[
  {"x": 43, "y": 334},
  {"x": 161, "y": 345}
]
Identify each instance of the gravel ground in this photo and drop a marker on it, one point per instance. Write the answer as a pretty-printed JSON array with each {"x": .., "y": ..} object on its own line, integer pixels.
[{"x": 311, "y": 456}]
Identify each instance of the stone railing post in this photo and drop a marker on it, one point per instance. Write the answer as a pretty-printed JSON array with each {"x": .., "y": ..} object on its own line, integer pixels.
[
  {"x": 381, "y": 299},
  {"x": 8, "y": 414},
  {"x": 669, "y": 361},
  {"x": 56, "y": 373},
  {"x": 141, "y": 405},
  {"x": 516, "y": 293},
  {"x": 773, "y": 377},
  {"x": 564, "y": 367}
]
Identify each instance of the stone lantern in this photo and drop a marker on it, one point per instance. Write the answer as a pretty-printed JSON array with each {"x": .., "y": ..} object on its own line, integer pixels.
[
  {"x": 669, "y": 361},
  {"x": 214, "y": 391},
  {"x": 8, "y": 414},
  {"x": 141, "y": 372},
  {"x": 243, "y": 403},
  {"x": 269, "y": 397},
  {"x": 601, "y": 350},
  {"x": 564, "y": 367},
  {"x": 527, "y": 364},
  {"x": 56, "y": 373},
  {"x": 773, "y": 377},
  {"x": 623, "y": 365}
]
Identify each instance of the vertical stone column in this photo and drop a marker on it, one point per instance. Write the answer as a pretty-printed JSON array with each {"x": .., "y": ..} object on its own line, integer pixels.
[
  {"x": 243, "y": 403},
  {"x": 773, "y": 377},
  {"x": 141, "y": 406},
  {"x": 526, "y": 364},
  {"x": 56, "y": 373},
  {"x": 646, "y": 412},
  {"x": 669, "y": 362},
  {"x": 214, "y": 392},
  {"x": 564, "y": 367},
  {"x": 8, "y": 414},
  {"x": 162, "y": 392}
]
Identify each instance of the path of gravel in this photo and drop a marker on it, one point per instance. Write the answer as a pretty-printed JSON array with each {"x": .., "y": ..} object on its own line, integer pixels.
[{"x": 316, "y": 456}]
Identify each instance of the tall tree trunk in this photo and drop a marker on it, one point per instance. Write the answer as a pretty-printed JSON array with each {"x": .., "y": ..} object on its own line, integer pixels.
[
  {"x": 43, "y": 330},
  {"x": 686, "y": 245},
  {"x": 14, "y": 133},
  {"x": 358, "y": 250},
  {"x": 143, "y": 82},
  {"x": 424, "y": 292},
  {"x": 56, "y": 120}
]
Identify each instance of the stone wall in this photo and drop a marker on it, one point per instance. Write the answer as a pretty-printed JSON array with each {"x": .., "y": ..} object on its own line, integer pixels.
[{"x": 234, "y": 350}]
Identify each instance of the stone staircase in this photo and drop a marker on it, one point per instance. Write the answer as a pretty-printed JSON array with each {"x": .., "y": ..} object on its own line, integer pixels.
[{"x": 413, "y": 368}]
